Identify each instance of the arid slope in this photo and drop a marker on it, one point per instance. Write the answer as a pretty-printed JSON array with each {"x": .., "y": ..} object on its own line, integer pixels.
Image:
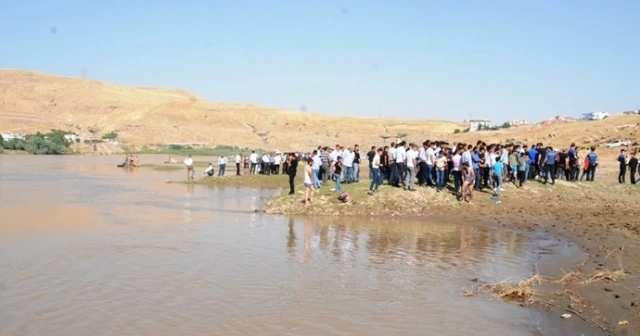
[{"x": 31, "y": 101}]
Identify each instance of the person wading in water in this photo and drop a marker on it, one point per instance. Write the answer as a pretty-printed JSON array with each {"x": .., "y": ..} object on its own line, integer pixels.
[
  {"x": 292, "y": 169},
  {"x": 190, "y": 171}
]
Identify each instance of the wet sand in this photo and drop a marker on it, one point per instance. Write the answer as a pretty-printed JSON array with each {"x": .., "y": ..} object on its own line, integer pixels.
[{"x": 123, "y": 252}]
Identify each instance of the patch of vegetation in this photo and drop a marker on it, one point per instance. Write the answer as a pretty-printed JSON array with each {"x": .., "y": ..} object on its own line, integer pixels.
[
  {"x": 184, "y": 150},
  {"x": 163, "y": 167},
  {"x": 52, "y": 142},
  {"x": 110, "y": 136}
]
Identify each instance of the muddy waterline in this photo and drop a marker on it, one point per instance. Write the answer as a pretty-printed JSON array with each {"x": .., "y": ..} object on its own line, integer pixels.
[{"x": 89, "y": 249}]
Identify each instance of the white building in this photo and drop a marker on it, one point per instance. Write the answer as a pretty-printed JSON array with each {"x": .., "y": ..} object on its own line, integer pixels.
[
  {"x": 474, "y": 125},
  {"x": 11, "y": 136},
  {"x": 516, "y": 123},
  {"x": 71, "y": 138},
  {"x": 594, "y": 115}
]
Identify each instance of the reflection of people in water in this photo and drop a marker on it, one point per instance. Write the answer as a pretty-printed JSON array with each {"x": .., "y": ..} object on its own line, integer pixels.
[
  {"x": 209, "y": 171},
  {"x": 308, "y": 235}
]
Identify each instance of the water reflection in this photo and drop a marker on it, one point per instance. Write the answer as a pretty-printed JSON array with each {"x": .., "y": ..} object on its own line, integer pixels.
[
  {"x": 134, "y": 255},
  {"x": 414, "y": 243}
]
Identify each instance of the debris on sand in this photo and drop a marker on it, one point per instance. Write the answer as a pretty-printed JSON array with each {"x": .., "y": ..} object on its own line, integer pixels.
[
  {"x": 522, "y": 292},
  {"x": 607, "y": 276}
]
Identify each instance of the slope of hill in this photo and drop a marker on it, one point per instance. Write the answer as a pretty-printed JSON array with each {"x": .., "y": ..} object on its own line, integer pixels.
[
  {"x": 562, "y": 134},
  {"x": 31, "y": 102}
]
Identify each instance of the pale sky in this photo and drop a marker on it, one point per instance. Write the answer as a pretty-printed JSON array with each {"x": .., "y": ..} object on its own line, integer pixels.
[{"x": 408, "y": 59}]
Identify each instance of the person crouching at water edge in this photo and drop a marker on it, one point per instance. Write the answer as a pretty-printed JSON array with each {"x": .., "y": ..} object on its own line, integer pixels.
[
  {"x": 190, "y": 171},
  {"x": 209, "y": 171},
  {"x": 468, "y": 180},
  {"x": 308, "y": 182},
  {"x": 292, "y": 169}
]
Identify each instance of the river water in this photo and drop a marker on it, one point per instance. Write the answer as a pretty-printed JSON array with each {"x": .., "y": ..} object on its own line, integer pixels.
[{"x": 90, "y": 249}]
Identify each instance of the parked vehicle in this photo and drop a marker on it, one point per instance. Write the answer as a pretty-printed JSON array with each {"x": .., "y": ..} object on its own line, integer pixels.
[{"x": 618, "y": 143}]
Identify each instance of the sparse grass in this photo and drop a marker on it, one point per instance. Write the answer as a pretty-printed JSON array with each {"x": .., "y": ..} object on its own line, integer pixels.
[
  {"x": 248, "y": 181},
  {"x": 162, "y": 167}
]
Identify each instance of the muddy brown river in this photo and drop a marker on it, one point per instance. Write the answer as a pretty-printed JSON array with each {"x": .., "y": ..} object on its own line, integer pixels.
[{"x": 89, "y": 249}]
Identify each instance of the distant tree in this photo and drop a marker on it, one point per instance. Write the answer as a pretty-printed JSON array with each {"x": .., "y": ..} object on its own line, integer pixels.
[
  {"x": 506, "y": 125},
  {"x": 456, "y": 131},
  {"x": 111, "y": 136},
  {"x": 1, "y": 142}
]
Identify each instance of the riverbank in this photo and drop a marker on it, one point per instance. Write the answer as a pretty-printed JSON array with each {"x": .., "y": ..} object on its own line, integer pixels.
[{"x": 603, "y": 218}]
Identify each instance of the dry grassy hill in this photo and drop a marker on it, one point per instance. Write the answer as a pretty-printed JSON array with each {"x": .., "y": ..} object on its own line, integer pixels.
[
  {"x": 32, "y": 102},
  {"x": 562, "y": 133}
]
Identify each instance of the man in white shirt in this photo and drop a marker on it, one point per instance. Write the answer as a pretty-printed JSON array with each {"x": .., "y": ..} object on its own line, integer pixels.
[
  {"x": 422, "y": 164},
  {"x": 410, "y": 156},
  {"x": 277, "y": 161},
  {"x": 347, "y": 161},
  {"x": 315, "y": 168},
  {"x": 209, "y": 171},
  {"x": 238, "y": 162},
  {"x": 431, "y": 159},
  {"x": 190, "y": 171},
  {"x": 401, "y": 161},
  {"x": 253, "y": 158},
  {"x": 393, "y": 175},
  {"x": 222, "y": 165},
  {"x": 265, "y": 169}
]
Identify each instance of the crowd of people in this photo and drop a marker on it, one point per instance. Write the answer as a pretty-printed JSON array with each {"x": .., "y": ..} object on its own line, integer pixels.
[{"x": 462, "y": 168}]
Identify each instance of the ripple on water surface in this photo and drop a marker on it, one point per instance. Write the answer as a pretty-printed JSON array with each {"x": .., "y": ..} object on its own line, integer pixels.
[{"x": 120, "y": 254}]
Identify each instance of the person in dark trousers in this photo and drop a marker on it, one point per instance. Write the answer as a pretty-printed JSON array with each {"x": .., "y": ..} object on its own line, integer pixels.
[
  {"x": 292, "y": 169},
  {"x": 622, "y": 159},
  {"x": 633, "y": 167},
  {"x": 522, "y": 168},
  {"x": 370, "y": 155},
  {"x": 549, "y": 164}
]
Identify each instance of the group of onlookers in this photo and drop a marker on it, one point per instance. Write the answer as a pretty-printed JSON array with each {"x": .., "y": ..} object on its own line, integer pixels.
[{"x": 433, "y": 164}]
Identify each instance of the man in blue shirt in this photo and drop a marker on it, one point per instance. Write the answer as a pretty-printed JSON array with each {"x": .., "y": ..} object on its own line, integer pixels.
[
  {"x": 533, "y": 156},
  {"x": 622, "y": 159},
  {"x": 593, "y": 164},
  {"x": 475, "y": 160},
  {"x": 549, "y": 162}
]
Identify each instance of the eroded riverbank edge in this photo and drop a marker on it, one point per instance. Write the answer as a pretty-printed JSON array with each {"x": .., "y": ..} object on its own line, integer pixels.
[{"x": 602, "y": 219}]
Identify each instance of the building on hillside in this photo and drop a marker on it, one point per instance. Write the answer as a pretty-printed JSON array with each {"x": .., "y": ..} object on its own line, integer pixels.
[
  {"x": 71, "y": 138},
  {"x": 631, "y": 112},
  {"x": 516, "y": 123},
  {"x": 594, "y": 115},
  {"x": 12, "y": 136},
  {"x": 475, "y": 125}
]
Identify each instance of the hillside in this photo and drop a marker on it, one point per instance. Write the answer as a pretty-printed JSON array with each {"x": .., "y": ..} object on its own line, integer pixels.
[{"x": 31, "y": 102}]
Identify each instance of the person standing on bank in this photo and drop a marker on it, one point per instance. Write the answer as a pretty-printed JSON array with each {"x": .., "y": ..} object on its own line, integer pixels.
[
  {"x": 238, "y": 162},
  {"x": 622, "y": 159},
  {"x": 292, "y": 169},
  {"x": 222, "y": 164},
  {"x": 633, "y": 167}
]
